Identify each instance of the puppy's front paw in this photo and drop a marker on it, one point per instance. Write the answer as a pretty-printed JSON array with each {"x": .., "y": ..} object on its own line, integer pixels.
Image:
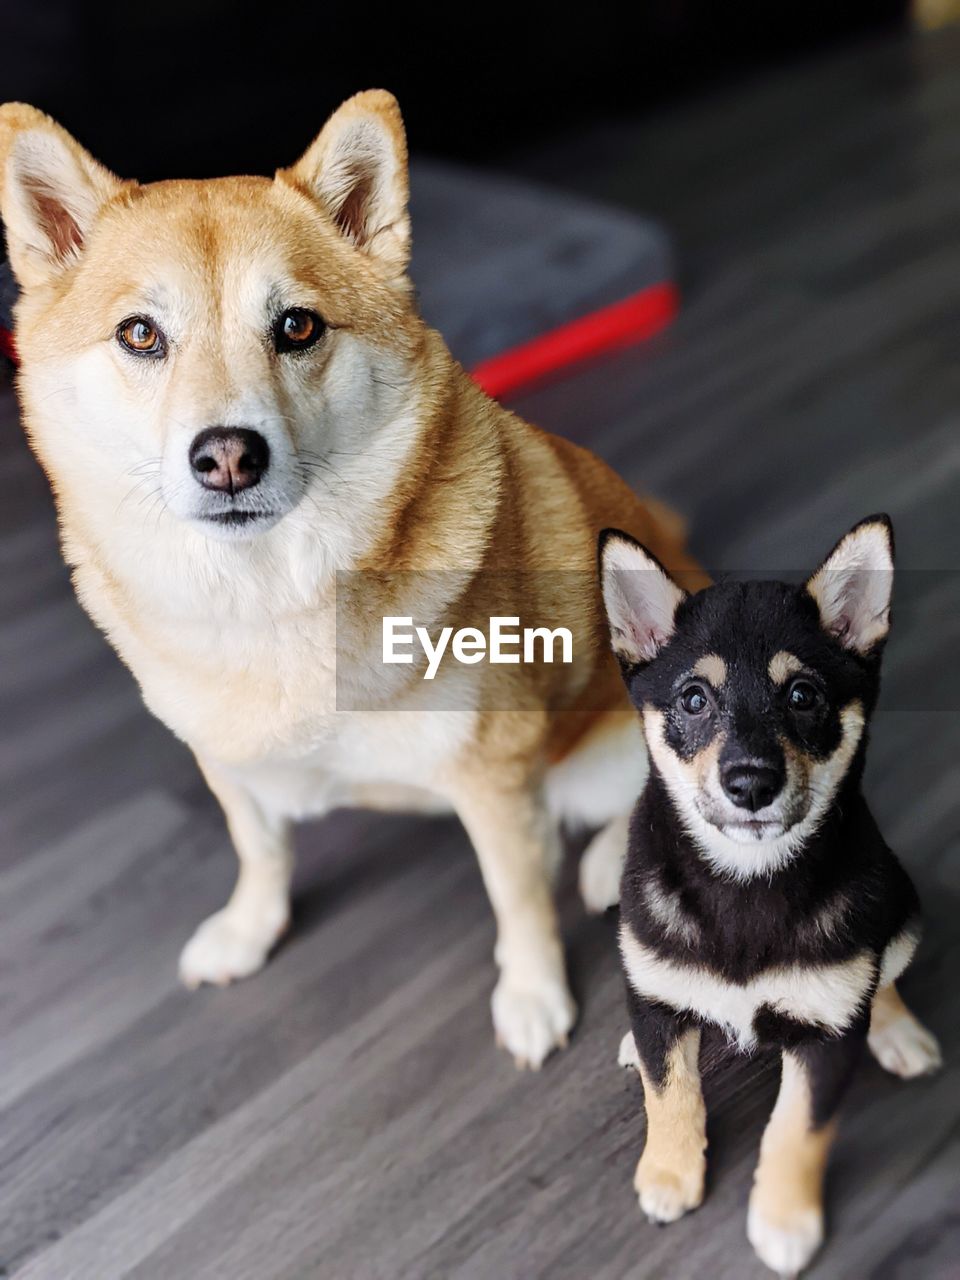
[
  {"x": 787, "y": 1244},
  {"x": 532, "y": 1019},
  {"x": 906, "y": 1048},
  {"x": 667, "y": 1194},
  {"x": 225, "y": 948}
]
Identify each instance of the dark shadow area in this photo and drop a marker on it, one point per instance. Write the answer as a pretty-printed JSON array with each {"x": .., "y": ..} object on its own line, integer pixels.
[{"x": 208, "y": 88}]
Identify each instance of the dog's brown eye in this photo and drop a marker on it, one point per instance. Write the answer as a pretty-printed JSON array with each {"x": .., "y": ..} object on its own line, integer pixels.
[
  {"x": 297, "y": 329},
  {"x": 141, "y": 336},
  {"x": 802, "y": 695},
  {"x": 694, "y": 700}
]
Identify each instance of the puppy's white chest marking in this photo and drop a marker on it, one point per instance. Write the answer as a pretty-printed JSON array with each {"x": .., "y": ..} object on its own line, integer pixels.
[{"x": 828, "y": 995}]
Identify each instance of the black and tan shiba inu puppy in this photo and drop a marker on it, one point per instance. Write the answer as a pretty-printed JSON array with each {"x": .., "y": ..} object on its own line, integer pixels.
[{"x": 758, "y": 893}]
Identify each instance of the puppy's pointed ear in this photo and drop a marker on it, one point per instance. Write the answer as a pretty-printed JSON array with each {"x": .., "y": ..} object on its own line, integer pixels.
[
  {"x": 357, "y": 168},
  {"x": 639, "y": 596},
  {"x": 51, "y": 192},
  {"x": 852, "y": 587}
]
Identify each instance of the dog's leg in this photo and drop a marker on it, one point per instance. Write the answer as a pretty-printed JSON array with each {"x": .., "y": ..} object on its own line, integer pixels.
[
  {"x": 670, "y": 1174},
  {"x": 898, "y": 1040},
  {"x": 586, "y": 789},
  {"x": 235, "y": 942},
  {"x": 785, "y": 1219},
  {"x": 517, "y": 843},
  {"x": 602, "y": 865}
]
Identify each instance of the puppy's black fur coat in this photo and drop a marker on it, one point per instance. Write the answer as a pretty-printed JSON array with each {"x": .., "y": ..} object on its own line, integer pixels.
[
  {"x": 758, "y": 893},
  {"x": 739, "y": 928},
  {"x": 744, "y": 929}
]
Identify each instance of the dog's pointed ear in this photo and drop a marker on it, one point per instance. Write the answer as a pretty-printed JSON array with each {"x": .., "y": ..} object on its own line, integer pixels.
[
  {"x": 51, "y": 192},
  {"x": 852, "y": 587},
  {"x": 639, "y": 596},
  {"x": 357, "y": 168}
]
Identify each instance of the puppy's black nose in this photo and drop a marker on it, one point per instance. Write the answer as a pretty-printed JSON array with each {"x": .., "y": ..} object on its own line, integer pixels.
[
  {"x": 751, "y": 786},
  {"x": 229, "y": 459}
]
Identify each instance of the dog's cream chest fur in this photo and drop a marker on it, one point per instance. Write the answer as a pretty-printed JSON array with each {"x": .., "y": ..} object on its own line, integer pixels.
[
  {"x": 257, "y": 693},
  {"x": 829, "y": 995}
]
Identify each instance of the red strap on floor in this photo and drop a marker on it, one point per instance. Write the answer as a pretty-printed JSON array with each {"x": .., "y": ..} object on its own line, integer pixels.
[{"x": 618, "y": 325}]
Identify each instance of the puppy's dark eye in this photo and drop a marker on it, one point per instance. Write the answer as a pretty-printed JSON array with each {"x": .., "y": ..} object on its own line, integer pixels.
[
  {"x": 694, "y": 700},
  {"x": 297, "y": 329},
  {"x": 802, "y": 695},
  {"x": 141, "y": 337}
]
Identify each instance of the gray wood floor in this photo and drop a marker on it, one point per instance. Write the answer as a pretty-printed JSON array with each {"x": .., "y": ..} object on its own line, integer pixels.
[{"x": 345, "y": 1114}]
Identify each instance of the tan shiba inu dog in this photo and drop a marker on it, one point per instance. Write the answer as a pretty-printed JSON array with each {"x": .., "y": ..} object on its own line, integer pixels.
[{"x": 247, "y": 354}]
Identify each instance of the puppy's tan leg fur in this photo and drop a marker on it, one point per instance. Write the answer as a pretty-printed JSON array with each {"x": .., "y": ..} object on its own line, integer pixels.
[
  {"x": 235, "y": 942},
  {"x": 669, "y": 1177},
  {"x": 516, "y": 842},
  {"x": 785, "y": 1221},
  {"x": 898, "y": 1040}
]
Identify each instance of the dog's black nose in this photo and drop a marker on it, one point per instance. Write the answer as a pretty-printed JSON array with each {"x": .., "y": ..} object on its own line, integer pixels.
[
  {"x": 229, "y": 458},
  {"x": 751, "y": 786}
]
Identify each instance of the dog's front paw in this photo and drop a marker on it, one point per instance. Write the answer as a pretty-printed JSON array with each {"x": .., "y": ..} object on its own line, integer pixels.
[
  {"x": 787, "y": 1244},
  {"x": 627, "y": 1055},
  {"x": 532, "y": 1019},
  {"x": 667, "y": 1194},
  {"x": 225, "y": 948},
  {"x": 906, "y": 1048}
]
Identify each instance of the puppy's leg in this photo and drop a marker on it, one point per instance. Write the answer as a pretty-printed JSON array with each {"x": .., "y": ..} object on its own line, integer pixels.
[
  {"x": 898, "y": 1040},
  {"x": 785, "y": 1219},
  {"x": 235, "y": 942},
  {"x": 517, "y": 843},
  {"x": 669, "y": 1177}
]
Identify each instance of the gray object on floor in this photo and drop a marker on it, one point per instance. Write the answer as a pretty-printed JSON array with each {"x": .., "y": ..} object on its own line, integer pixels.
[
  {"x": 344, "y": 1114},
  {"x": 497, "y": 261}
]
